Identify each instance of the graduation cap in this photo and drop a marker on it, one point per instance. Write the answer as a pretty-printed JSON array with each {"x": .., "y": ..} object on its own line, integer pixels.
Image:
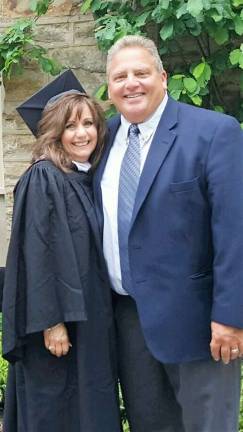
[{"x": 31, "y": 109}]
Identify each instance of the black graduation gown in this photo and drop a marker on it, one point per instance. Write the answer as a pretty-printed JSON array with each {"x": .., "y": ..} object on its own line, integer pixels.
[{"x": 55, "y": 272}]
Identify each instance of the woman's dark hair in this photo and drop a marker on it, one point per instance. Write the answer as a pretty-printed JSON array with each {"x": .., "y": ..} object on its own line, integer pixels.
[{"x": 52, "y": 125}]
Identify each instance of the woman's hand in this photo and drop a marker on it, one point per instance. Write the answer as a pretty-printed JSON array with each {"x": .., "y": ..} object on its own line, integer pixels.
[{"x": 56, "y": 340}]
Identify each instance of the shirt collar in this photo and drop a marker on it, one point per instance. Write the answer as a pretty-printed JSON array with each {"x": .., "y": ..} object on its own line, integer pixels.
[
  {"x": 82, "y": 166},
  {"x": 149, "y": 126}
]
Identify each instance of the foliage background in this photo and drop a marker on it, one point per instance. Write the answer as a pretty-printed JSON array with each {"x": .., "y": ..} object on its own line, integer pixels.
[{"x": 200, "y": 41}]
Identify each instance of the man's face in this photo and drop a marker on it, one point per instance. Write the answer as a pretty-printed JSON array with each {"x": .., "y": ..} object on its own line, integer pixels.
[{"x": 135, "y": 86}]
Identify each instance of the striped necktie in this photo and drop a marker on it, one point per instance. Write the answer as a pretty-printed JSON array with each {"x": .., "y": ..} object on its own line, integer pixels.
[{"x": 128, "y": 184}]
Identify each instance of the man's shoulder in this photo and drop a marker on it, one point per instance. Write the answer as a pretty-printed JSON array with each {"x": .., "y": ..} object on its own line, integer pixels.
[
  {"x": 113, "y": 121},
  {"x": 203, "y": 114}
]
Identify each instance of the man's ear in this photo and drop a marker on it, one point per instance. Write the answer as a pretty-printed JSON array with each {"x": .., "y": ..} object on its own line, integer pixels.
[
  {"x": 108, "y": 91},
  {"x": 164, "y": 79}
]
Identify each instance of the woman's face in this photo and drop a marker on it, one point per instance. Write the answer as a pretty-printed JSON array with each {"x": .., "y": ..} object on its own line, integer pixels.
[{"x": 79, "y": 138}]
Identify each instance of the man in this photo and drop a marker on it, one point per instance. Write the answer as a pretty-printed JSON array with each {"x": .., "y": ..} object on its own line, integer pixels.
[{"x": 169, "y": 192}]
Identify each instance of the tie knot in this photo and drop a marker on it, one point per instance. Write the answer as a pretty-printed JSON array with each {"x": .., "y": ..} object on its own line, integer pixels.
[{"x": 133, "y": 129}]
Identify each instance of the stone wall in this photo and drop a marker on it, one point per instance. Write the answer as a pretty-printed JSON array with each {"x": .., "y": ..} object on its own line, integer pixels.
[{"x": 69, "y": 38}]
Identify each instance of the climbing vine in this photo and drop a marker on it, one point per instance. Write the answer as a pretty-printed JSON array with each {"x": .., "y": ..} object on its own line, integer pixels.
[
  {"x": 18, "y": 45},
  {"x": 200, "y": 42}
]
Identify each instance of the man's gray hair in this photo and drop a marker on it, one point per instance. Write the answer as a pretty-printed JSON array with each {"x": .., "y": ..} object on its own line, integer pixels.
[{"x": 133, "y": 41}]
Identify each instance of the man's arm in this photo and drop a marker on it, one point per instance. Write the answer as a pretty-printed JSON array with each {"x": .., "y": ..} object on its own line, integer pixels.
[{"x": 225, "y": 186}]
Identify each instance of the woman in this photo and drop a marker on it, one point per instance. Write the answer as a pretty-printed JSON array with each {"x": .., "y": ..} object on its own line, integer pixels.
[{"x": 58, "y": 331}]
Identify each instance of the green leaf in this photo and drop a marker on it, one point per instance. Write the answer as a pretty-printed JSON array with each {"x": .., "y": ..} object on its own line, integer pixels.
[
  {"x": 207, "y": 72},
  {"x": 164, "y": 4},
  {"x": 40, "y": 7},
  {"x": 167, "y": 30},
  {"x": 24, "y": 25},
  {"x": 241, "y": 61},
  {"x": 175, "y": 94},
  {"x": 238, "y": 21},
  {"x": 203, "y": 91},
  {"x": 195, "y": 7},
  {"x": 141, "y": 19},
  {"x": 221, "y": 35},
  {"x": 235, "y": 56},
  {"x": 202, "y": 72},
  {"x": 86, "y": 5},
  {"x": 175, "y": 84},
  {"x": 97, "y": 6},
  {"x": 101, "y": 92},
  {"x": 237, "y": 3},
  {"x": 110, "y": 112},
  {"x": 190, "y": 84},
  {"x": 216, "y": 17},
  {"x": 219, "y": 108},
  {"x": 159, "y": 15},
  {"x": 145, "y": 2},
  {"x": 197, "y": 100},
  {"x": 110, "y": 31},
  {"x": 177, "y": 76},
  {"x": 196, "y": 30},
  {"x": 45, "y": 64},
  {"x": 207, "y": 4},
  {"x": 33, "y": 5},
  {"x": 198, "y": 70},
  {"x": 182, "y": 10}
]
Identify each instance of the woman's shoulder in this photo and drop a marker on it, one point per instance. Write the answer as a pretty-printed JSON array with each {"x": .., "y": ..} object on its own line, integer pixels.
[
  {"x": 43, "y": 167},
  {"x": 41, "y": 172}
]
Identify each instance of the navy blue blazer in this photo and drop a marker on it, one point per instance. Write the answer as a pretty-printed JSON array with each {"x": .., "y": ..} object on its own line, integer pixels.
[{"x": 186, "y": 236}]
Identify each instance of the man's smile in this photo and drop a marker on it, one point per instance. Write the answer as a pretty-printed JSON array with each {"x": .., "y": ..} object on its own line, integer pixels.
[{"x": 133, "y": 96}]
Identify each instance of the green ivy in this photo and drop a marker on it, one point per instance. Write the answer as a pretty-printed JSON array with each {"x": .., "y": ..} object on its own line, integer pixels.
[
  {"x": 18, "y": 46},
  {"x": 213, "y": 27}
]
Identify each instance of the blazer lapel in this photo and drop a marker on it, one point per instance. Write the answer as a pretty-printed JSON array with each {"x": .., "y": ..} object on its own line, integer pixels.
[{"x": 161, "y": 144}]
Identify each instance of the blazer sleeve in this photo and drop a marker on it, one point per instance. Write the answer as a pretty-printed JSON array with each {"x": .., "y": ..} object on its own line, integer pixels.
[
  {"x": 42, "y": 281},
  {"x": 225, "y": 190}
]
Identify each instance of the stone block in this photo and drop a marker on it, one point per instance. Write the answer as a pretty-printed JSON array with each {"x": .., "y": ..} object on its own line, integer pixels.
[
  {"x": 88, "y": 58},
  {"x": 17, "y": 147},
  {"x": 90, "y": 80},
  {"x": 13, "y": 171},
  {"x": 20, "y": 87},
  {"x": 84, "y": 33},
  {"x": 14, "y": 8},
  {"x": 55, "y": 35},
  {"x": 12, "y": 122}
]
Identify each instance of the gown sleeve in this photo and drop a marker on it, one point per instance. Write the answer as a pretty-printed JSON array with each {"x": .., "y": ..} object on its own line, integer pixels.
[{"x": 42, "y": 282}]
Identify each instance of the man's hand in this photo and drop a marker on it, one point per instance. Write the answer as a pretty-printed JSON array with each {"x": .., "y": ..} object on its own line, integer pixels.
[
  {"x": 56, "y": 340},
  {"x": 226, "y": 342}
]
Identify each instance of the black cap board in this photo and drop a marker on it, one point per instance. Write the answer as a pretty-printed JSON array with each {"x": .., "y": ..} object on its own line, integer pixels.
[{"x": 31, "y": 109}]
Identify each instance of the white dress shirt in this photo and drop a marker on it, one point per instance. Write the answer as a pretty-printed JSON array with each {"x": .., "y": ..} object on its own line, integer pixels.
[{"x": 110, "y": 184}]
